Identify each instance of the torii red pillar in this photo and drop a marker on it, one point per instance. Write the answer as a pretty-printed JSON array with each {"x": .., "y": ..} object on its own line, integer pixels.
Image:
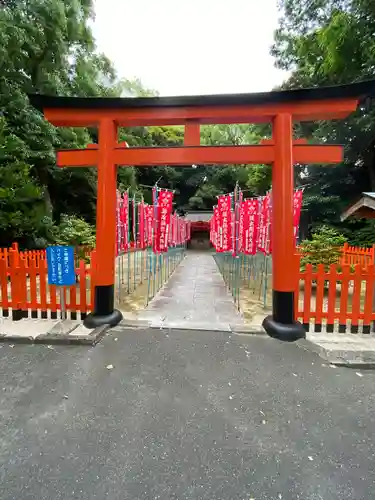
[
  {"x": 104, "y": 295},
  {"x": 282, "y": 322}
]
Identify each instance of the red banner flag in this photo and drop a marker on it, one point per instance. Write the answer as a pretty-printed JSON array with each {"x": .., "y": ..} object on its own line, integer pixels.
[
  {"x": 212, "y": 230},
  {"x": 244, "y": 224},
  {"x": 118, "y": 222},
  {"x": 268, "y": 245},
  {"x": 149, "y": 221},
  {"x": 188, "y": 228},
  {"x": 165, "y": 200},
  {"x": 142, "y": 226},
  {"x": 175, "y": 229},
  {"x": 232, "y": 225},
  {"x": 134, "y": 222},
  {"x": 240, "y": 214},
  {"x": 124, "y": 218},
  {"x": 225, "y": 228},
  {"x": 170, "y": 232},
  {"x": 260, "y": 247},
  {"x": 219, "y": 234},
  {"x": 213, "y": 233},
  {"x": 183, "y": 231},
  {"x": 251, "y": 226},
  {"x": 263, "y": 223},
  {"x": 155, "y": 219}
]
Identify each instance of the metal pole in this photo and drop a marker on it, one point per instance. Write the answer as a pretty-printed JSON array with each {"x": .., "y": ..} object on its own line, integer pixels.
[
  {"x": 122, "y": 267},
  {"x": 148, "y": 273},
  {"x": 62, "y": 304},
  {"x": 265, "y": 282},
  {"x": 142, "y": 258},
  {"x": 154, "y": 233},
  {"x": 128, "y": 249},
  {"x": 135, "y": 243},
  {"x": 236, "y": 245},
  {"x": 118, "y": 266},
  {"x": 153, "y": 264},
  {"x": 160, "y": 270}
]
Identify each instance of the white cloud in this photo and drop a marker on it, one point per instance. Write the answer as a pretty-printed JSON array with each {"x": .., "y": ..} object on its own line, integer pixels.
[{"x": 182, "y": 47}]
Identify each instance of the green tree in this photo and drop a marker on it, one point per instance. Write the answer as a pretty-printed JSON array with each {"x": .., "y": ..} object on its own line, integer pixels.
[
  {"x": 76, "y": 232},
  {"x": 46, "y": 46},
  {"x": 21, "y": 206},
  {"x": 326, "y": 43},
  {"x": 325, "y": 247}
]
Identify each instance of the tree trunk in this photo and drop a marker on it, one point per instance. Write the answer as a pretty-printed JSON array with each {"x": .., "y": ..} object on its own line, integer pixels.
[{"x": 47, "y": 202}]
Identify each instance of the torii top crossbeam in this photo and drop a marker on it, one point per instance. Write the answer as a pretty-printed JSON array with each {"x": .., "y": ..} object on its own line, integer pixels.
[
  {"x": 325, "y": 103},
  {"x": 281, "y": 108}
]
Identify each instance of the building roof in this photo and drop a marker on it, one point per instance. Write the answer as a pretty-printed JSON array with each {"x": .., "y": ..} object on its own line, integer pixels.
[
  {"x": 359, "y": 90},
  {"x": 364, "y": 208},
  {"x": 198, "y": 216}
]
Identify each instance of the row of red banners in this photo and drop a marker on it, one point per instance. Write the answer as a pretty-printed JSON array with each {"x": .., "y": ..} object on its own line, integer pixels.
[
  {"x": 153, "y": 226},
  {"x": 254, "y": 218}
]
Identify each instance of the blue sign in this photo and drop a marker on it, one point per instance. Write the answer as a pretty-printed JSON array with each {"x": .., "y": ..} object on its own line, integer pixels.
[{"x": 61, "y": 266}]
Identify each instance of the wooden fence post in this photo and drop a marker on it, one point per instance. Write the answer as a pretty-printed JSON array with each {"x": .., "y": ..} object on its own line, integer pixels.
[
  {"x": 369, "y": 300},
  {"x": 4, "y": 288},
  {"x": 297, "y": 266},
  {"x": 16, "y": 289}
]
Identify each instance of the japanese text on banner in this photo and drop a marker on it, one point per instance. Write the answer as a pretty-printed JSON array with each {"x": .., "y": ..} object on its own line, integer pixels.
[
  {"x": 225, "y": 227},
  {"x": 251, "y": 226},
  {"x": 165, "y": 201},
  {"x": 149, "y": 216}
]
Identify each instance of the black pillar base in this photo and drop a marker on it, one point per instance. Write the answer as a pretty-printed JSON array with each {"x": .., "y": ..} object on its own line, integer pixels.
[
  {"x": 93, "y": 320},
  {"x": 281, "y": 331},
  {"x": 282, "y": 325},
  {"x": 104, "y": 312}
]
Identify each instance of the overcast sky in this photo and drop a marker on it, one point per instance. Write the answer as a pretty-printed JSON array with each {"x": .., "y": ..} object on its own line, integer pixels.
[{"x": 182, "y": 47}]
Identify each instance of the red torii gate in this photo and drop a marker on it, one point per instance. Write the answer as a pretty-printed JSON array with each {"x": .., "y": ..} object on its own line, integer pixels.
[{"x": 280, "y": 108}]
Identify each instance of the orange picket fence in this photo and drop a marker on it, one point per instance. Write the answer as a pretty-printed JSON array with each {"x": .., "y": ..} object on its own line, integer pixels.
[
  {"x": 34, "y": 255},
  {"x": 352, "y": 256},
  {"x": 357, "y": 255},
  {"x": 336, "y": 300},
  {"x": 24, "y": 289}
]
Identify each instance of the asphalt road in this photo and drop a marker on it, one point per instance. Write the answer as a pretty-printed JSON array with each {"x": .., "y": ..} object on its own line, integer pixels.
[{"x": 183, "y": 415}]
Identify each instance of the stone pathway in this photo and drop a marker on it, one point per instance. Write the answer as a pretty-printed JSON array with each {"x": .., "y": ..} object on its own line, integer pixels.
[{"x": 194, "y": 297}]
